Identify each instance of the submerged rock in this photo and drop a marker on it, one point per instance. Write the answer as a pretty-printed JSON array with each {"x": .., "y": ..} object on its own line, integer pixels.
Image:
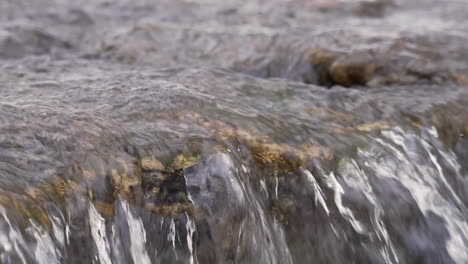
[
  {"x": 179, "y": 131},
  {"x": 19, "y": 41},
  {"x": 356, "y": 69}
]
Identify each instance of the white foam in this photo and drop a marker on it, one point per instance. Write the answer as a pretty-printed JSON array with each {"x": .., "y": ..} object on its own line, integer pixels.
[
  {"x": 98, "y": 232},
  {"x": 11, "y": 239},
  {"x": 45, "y": 250},
  {"x": 424, "y": 184},
  {"x": 190, "y": 245},
  {"x": 318, "y": 193},
  {"x": 344, "y": 211},
  {"x": 137, "y": 236}
]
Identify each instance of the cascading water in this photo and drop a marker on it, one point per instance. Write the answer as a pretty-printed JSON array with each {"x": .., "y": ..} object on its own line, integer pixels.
[
  {"x": 211, "y": 187},
  {"x": 178, "y": 131}
]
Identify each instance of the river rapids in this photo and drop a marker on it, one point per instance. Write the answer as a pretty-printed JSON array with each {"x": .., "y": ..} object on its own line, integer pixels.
[{"x": 203, "y": 131}]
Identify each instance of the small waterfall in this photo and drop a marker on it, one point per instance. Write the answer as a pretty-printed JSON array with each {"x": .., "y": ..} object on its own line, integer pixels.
[
  {"x": 399, "y": 196},
  {"x": 238, "y": 227},
  {"x": 415, "y": 163},
  {"x": 233, "y": 131}
]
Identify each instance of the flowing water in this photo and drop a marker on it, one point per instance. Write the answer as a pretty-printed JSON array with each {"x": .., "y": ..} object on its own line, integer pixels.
[{"x": 233, "y": 131}]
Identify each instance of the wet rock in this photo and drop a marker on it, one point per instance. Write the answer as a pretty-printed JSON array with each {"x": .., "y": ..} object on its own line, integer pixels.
[
  {"x": 165, "y": 188},
  {"x": 286, "y": 62},
  {"x": 281, "y": 157},
  {"x": 352, "y": 70},
  {"x": 460, "y": 78},
  {"x": 282, "y": 209},
  {"x": 26, "y": 207},
  {"x": 321, "y": 61},
  {"x": 368, "y": 127},
  {"x": 450, "y": 121},
  {"x": 73, "y": 16},
  {"x": 350, "y": 57},
  {"x": 134, "y": 44},
  {"x": 152, "y": 186},
  {"x": 182, "y": 161},
  {"x": 345, "y": 69},
  {"x": 151, "y": 163},
  {"x": 385, "y": 61},
  {"x": 20, "y": 41},
  {"x": 373, "y": 8},
  {"x": 105, "y": 209},
  {"x": 256, "y": 156}
]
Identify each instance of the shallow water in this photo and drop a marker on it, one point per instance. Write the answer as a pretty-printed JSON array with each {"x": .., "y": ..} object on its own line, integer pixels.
[{"x": 233, "y": 132}]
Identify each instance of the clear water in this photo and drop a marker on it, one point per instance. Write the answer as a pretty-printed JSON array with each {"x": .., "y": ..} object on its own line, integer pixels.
[{"x": 203, "y": 132}]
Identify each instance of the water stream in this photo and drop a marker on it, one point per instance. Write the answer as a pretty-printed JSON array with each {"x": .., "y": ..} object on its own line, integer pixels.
[{"x": 233, "y": 132}]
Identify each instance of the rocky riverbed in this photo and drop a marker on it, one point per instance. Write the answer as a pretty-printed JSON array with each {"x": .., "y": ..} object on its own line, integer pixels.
[{"x": 204, "y": 131}]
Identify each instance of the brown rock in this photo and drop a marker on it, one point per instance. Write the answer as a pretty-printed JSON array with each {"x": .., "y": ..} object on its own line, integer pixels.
[
  {"x": 369, "y": 127},
  {"x": 460, "y": 78},
  {"x": 151, "y": 163},
  {"x": 354, "y": 69}
]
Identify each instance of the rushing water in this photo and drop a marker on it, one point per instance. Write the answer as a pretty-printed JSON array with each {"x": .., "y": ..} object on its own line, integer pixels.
[{"x": 222, "y": 132}]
